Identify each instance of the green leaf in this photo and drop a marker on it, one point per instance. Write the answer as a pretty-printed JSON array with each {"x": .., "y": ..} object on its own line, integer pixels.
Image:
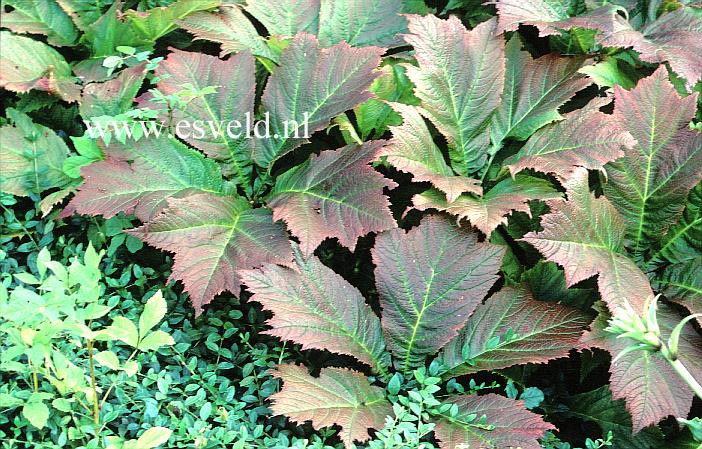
[
  {"x": 154, "y": 311},
  {"x": 375, "y": 115},
  {"x": 108, "y": 359},
  {"x": 534, "y": 89},
  {"x": 683, "y": 241},
  {"x": 37, "y": 413},
  {"x": 158, "y": 22},
  {"x": 430, "y": 281},
  {"x": 599, "y": 407},
  {"x": 121, "y": 329},
  {"x": 336, "y": 194},
  {"x": 40, "y": 17},
  {"x": 459, "y": 81},
  {"x": 108, "y": 32},
  {"x": 286, "y": 18},
  {"x": 512, "y": 328},
  {"x": 153, "y": 437},
  {"x": 155, "y": 340},
  {"x": 213, "y": 236},
  {"x": 608, "y": 73},
  {"x": 649, "y": 185},
  {"x": 46, "y": 70},
  {"x": 32, "y": 157},
  {"x": 315, "y": 307},
  {"x": 338, "y": 396}
]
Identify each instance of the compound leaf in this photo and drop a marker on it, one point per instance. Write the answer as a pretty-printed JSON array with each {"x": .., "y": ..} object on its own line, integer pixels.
[
  {"x": 586, "y": 138},
  {"x": 512, "y": 328},
  {"x": 317, "y": 308},
  {"x": 598, "y": 406},
  {"x": 40, "y": 17},
  {"x": 311, "y": 87},
  {"x": 234, "y": 101},
  {"x": 362, "y": 23},
  {"x": 585, "y": 235},
  {"x": 645, "y": 380},
  {"x": 534, "y": 89},
  {"x": 229, "y": 27},
  {"x": 212, "y": 237},
  {"x": 430, "y": 280},
  {"x": 338, "y": 396},
  {"x": 336, "y": 194},
  {"x": 31, "y": 158},
  {"x": 511, "y": 424},
  {"x": 45, "y": 70},
  {"x": 489, "y": 211},
  {"x": 413, "y": 150},
  {"x": 286, "y": 18},
  {"x": 113, "y": 97},
  {"x": 459, "y": 81},
  {"x": 138, "y": 177},
  {"x": 649, "y": 185},
  {"x": 684, "y": 240}
]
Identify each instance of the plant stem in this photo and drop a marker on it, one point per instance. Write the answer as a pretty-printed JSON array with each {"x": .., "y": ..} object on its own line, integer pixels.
[
  {"x": 96, "y": 404},
  {"x": 686, "y": 376},
  {"x": 35, "y": 379}
]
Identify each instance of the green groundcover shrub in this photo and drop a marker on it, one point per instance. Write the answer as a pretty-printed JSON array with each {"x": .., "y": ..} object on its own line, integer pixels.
[{"x": 351, "y": 223}]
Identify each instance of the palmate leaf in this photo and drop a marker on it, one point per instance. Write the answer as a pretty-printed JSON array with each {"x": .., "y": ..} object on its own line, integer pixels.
[
  {"x": 336, "y": 194},
  {"x": 684, "y": 240},
  {"x": 675, "y": 37},
  {"x": 459, "y": 81},
  {"x": 585, "y": 235},
  {"x": 362, "y": 23},
  {"x": 286, "y": 18},
  {"x": 31, "y": 157},
  {"x": 45, "y": 70},
  {"x": 487, "y": 212},
  {"x": 649, "y": 185},
  {"x": 338, "y": 396},
  {"x": 682, "y": 284},
  {"x": 599, "y": 407},
  {"x": 430, "y": 280},
  {"x": 236, "y": 90},
  {"x": 413, "y": 150},
  {"x": 645, "y": 380},
  {"x": 586, "y": 138},
  {"x": 317, "y": 308},
  {"x": 312, "y": 86},
  {"x": 514, "y": 425},
  {"x": 138, "y": 177},
  {"x": 112, "y": 97},
  {"x": 512, "y": 328},
  {"x": 40, "y": 17},
  {"x": 534, "y": 89},
  {"x": 213, "y": 237},
  {"x": 359, "y": 23},
  {"x": 231, "y": 28}
]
